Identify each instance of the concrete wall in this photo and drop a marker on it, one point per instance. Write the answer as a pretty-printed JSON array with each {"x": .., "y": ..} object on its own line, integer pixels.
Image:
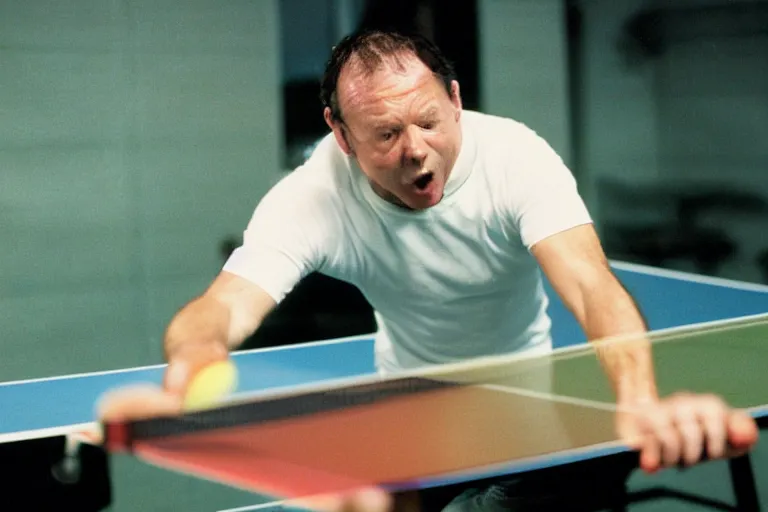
[
  {"x": 134, "y": 136},
  {"x": 523, "y": 66},
  {"x": 694, "y": 114}
]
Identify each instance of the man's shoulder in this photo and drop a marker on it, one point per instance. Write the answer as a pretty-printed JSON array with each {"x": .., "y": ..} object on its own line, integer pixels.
[
  {"x": 326, "y": 167},
  {"x": 512, "y": 142},
  {"x": 514, "y": 158},
  {"x": 322, "y": 180},
  {"x": 493, "y": 127}
]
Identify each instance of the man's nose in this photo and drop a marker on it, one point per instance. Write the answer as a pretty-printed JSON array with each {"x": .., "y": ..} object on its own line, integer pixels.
[{"x": 414, "y": 148}]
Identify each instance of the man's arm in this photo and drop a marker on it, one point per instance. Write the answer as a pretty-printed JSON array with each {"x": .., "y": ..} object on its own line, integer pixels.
[
  {"x": 577, "y": 268},
  {"x": 669, "y": 431},
  {"x": 229, "y": 311},
  {"x": 211, "y": 325}
]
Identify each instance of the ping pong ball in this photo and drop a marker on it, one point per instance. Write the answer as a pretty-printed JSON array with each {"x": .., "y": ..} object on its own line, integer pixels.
[{"x": 210, "y": 385}]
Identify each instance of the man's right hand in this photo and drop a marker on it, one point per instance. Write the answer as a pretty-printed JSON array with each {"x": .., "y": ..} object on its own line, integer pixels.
[
  {"x": 209, "y": 327},
  {"x": 140, "y": 401},
  {"x": 134, "y": 403},
  {"x": 245, "y": 305},
  {"x": 186, "y": 360}
]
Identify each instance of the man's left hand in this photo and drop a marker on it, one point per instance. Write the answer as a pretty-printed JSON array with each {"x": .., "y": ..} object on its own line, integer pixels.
[{"x": 685, "y": 429}]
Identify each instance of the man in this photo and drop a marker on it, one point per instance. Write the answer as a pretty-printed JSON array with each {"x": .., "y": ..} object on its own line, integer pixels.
[{"x": 444, "y": 219}]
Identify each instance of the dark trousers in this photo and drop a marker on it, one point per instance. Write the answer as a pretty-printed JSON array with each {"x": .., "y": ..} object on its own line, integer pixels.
[{"x": 598, "y": 484}]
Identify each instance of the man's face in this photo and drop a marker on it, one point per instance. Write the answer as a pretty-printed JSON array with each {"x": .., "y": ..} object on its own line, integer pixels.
[{"x": 402, "y": 127}]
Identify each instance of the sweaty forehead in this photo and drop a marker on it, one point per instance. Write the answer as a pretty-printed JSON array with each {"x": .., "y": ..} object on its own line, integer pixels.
[{"x": 394, "y": 77}]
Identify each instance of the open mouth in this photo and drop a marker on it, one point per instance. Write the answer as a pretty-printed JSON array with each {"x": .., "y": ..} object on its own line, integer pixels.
[{"x": 423, "y": 181}]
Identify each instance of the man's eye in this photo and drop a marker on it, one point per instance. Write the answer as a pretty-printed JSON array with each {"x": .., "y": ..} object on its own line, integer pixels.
[{"x": 386, "y": 136}]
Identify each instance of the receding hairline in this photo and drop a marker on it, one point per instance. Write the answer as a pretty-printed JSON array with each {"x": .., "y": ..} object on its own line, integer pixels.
[
  {"x": 370, "y": 60},
  {"x": 357, "y": 68},
  {"x": 373, "y": 47}
]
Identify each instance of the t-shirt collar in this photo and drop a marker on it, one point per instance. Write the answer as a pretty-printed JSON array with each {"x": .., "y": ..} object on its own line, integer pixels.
[{"x": 462, "y": 168}]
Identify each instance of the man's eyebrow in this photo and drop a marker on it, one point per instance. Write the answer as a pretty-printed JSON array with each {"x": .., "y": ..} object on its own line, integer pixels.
[
  {"x": 384, "y": 125},
  {"x": 431, "y": 112}
]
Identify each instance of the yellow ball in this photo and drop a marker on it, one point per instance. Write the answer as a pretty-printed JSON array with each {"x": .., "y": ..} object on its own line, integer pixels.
[{"x": 211, "y": 385}]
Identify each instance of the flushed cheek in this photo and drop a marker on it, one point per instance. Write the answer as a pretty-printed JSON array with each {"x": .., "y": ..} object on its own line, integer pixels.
[
  {"x": 443, "y": 146},
  {"x": 386, "y": 170},
  {"x": 386, "y": 162}
]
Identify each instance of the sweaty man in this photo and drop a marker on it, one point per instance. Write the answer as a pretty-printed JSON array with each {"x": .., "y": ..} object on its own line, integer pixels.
[{"x": 444, "y": 219}]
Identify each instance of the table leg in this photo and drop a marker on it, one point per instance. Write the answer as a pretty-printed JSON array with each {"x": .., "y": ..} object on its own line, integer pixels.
[{"x": 743, "y": 478}]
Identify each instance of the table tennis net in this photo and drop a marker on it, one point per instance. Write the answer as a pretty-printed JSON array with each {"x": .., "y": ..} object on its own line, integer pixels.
[
  {"x": 281, "y": 407},
  {"x": 482, "y": 416}
]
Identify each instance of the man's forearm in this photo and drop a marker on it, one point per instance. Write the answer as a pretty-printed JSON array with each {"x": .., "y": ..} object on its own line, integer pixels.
[
  {"x": 221, "y": 319},
  {"x": 576, "y": 266},
  {"x": 204, "y": 321},
  {"x": 627, "y": 362}
]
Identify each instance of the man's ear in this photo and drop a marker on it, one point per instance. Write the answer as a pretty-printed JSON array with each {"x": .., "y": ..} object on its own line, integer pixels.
[
  {"x": 456, "y": 98},
  {"x": 338, "y": 131}
]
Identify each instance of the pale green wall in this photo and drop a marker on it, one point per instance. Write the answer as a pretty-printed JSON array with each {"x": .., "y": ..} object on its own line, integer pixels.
[
  {"x": 134, "y": 136},
  {"x": 697, "y": 113},
  {"x": 523, "y": 66}
]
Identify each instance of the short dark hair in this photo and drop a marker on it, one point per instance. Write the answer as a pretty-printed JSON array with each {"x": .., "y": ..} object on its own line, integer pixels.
[{"x": 372, "y": 46}]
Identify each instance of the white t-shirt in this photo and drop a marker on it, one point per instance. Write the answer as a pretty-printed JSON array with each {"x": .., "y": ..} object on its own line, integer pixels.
[{"x": 448, "y": 283}]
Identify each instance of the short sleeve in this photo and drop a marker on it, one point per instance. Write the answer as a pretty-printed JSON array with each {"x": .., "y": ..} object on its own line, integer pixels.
[
  {"x": 283, "y": 240},
  {"x": 546, "y": 200}
]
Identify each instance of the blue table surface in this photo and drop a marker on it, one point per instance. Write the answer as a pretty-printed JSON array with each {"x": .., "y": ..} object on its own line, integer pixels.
[{"x": 667, "y": 300}]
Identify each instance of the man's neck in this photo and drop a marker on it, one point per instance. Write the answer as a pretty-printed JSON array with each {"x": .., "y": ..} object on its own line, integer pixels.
[{"x": 388, "y": 196}]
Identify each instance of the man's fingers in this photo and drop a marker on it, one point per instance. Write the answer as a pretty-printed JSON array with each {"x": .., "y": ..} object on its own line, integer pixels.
[
  {"x": 729, "y": 433},
  {"x": 369, "y": 500},
  {"x": 692, "y": 439},
  {"x": 135, "y": 403},
  {"x": 683, "y": 428},
  {"x": 177, "y": 376},
  {"x": 635, "y": 429},
  {"x": 742, "y": 433},
  {"x": 712, "y": 414},
  {"x": 361, "y": 500},
  {"x": 187, "y": 360},
  {"x": 650, "y": 455},
  {"x": 663, "y": 429}
]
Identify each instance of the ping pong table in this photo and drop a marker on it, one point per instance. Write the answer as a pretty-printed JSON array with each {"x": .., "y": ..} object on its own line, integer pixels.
[{"x": 58, "y": 406}]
